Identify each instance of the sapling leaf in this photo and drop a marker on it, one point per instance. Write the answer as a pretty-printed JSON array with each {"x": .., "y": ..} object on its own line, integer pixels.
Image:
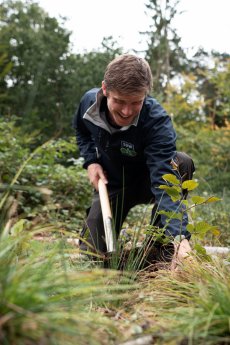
[
  {"x": 185, "y": 202},
  {"x": 166, "y": 187},
  {"x": 189, "y": 184},
  {"x": 171, "y": 178},
  {"x": 196, "y": 199},
  {"x": 216, "y": 231},
  {"x": 200, "y": 229},
  {"x": 173, "y": 192},
  {"x": 171, "y": 215},
  {"x": 201, "y": 251},
  {"x": 212, "y": 199},
  {"x": 203, "y": 227},
  {"x": 190, "y": 228},
  {"x": 174, "y": 199}
]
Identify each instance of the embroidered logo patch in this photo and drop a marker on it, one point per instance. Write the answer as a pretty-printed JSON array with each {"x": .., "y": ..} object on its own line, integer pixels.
[{"x": 127, "y": 149}]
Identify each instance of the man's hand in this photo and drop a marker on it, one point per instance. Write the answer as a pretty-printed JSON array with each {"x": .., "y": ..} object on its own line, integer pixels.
[
  {"x": 182, "y": 252},
  {"x": 95, "y": 172}
]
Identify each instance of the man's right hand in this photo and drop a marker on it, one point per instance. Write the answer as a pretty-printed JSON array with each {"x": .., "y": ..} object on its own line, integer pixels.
[{"x": 95, "y": 172}]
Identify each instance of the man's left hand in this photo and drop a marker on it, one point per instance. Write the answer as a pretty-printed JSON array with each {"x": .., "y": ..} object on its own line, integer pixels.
[{"x": 182, "y": 252}]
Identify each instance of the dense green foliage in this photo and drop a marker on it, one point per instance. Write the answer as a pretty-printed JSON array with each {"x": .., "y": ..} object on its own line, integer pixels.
[
  {"x": 52, "y": 168},
  {"x": 43, "y": 81}
]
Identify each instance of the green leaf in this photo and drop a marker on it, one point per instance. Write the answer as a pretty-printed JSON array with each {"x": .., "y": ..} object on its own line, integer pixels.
[
  {"x": 215, "y": 231},
  {"x": 171, "y": 178},
  {"x": 201, "y": 251},
  {"x": 190, "y": 228},
  {"x": 203, "y": 227},
  {"x": 171, "y": 215},
  {"x": 172, "y": 192},
  {"x": 185, "y": 202},
  {"x": 189, "y": 184},
  {"x": 198, "y": 199},
  {"x": 212, "y": 199}
]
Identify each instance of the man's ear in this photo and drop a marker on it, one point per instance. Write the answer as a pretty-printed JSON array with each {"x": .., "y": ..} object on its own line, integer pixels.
[{"x": 103, "y": 88}]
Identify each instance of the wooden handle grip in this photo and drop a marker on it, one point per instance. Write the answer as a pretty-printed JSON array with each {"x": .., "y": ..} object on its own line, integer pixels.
[
  {"x": 104, "y": 199},
  {"x": 107, "y": 217}
]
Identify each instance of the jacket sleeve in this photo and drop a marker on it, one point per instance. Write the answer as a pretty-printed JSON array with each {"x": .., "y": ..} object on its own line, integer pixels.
[
  {"x": 85, "y": 140},
  {"x": 159, "y": 150}
]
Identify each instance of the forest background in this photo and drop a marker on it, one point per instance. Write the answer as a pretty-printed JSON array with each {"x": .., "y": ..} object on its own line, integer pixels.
[{"x": 42, "y": 183}]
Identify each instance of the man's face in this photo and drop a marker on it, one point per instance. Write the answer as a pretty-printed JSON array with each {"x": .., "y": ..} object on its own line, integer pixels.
[{"x": 123, "y": 108}]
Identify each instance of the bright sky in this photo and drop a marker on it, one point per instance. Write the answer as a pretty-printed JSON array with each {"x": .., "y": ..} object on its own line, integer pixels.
[{"x": 204, "y": 23}]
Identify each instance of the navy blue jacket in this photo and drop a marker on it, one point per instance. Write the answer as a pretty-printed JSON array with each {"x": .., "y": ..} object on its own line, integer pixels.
[{"x": 150, "y": 143}]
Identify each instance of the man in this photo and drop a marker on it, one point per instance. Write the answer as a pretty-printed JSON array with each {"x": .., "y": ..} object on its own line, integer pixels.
[{"x": 127, "y": 139}]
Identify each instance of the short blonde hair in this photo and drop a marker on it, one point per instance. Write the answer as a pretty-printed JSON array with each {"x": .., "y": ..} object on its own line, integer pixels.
[{"x": 128, "y": 73}]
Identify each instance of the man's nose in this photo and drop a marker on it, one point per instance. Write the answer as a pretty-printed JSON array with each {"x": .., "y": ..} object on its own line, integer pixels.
[{"x": 127, "y": 110}]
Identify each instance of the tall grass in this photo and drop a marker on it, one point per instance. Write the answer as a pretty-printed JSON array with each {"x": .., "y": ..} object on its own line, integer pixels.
[
  {"x": 191, "y": 306},
  {"x": 47, "y": 298}
]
